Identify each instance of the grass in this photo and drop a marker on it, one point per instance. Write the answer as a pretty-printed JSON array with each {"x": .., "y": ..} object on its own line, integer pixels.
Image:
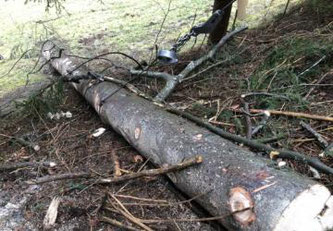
[
  {"x": 16, "y": 77},
  {"x": 282, "y": 71},
  {"x": 90, "y": 27}
]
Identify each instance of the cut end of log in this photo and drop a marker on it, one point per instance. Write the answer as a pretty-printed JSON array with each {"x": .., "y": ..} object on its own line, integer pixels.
[
  {"x": 310, "y": 210},
  {"x": 240, "y": 200}
]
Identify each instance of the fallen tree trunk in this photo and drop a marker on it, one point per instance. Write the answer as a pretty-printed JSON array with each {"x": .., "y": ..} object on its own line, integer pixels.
[{"x": 230, "y": 179}]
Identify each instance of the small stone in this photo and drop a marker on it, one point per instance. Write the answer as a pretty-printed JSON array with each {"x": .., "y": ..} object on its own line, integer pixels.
[
  {"x": 282, "y": 164},
  {"x": 53, "y": 164},
  {"x": 57, "y": 116},
  {"x": 98, "y": 132},
  {"x": 36, "y": 148},
  {"x": 50, "y": 115},
  {"x": 68, "y": 115}
]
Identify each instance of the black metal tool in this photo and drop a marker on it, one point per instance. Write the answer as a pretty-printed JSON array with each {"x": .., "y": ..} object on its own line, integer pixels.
[
  {"x": 209, "y": 25},
  {"x": 170, "y": 56}
]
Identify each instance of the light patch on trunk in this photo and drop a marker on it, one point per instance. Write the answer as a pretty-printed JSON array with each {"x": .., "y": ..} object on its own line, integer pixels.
[{"x": 137, "y": 133}]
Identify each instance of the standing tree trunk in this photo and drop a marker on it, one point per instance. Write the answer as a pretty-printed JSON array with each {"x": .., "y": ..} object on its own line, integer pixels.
[{"x": 221, "y": 28}]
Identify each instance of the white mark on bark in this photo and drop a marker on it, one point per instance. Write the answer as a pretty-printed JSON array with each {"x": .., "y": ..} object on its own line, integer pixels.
[
  {"x": 137, "y": 133},
  {"x": 197, "y": 137}
]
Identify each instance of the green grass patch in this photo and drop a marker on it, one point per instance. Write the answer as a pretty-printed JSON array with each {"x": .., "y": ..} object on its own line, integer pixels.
[
  {"x": 284, "y": 70},
  {"x": 18, "y": 76},
  {"x": 90, "y": 27}
]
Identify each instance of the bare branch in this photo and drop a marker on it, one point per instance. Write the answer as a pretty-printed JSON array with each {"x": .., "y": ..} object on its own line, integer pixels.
[
  {"x": 154, "y": 172},
  {"x": 173, "y": 80},
  {"x": 13, "y": 166}
]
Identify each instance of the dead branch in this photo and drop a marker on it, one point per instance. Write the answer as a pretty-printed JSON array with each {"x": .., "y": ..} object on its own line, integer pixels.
[
  {"x": 13, "y": 166},
  {"x": 116, "y": 163},
  {"x": 321, "y": 140},
  {"x": 141, "y": 199},
  {"x": 314, "y": 162},
  {"x": 264, "y": 94},
  {"x": 117, "y": 224},
  {"x": 294, "y": 114},
  {"x": 158, "y": 202},
  {"x": 248, "y": 120},
  {"x": 318, "y": 82},
  {"x": 128, "y": 215},
  {"x": 65, "y": 176},
  {"x": 312, "y": 66},
  {"x": 271, "y": 139},
  {"x": 154, "y": 172},
  {"x": 262, "y": 123},
  {"x": 173, "y": 80},
  {"x": 153, "y": 221},
  {"x": 150, "y": 172}
]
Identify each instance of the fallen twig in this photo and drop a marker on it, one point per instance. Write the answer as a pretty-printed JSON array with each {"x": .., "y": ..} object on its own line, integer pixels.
[
  {"x": 248, "y": 120},
  {"x": 65, "y": 176},
  {"x": 154, "y": 172},
  {"x": 158, "y": 202},
  {"x": 271, "y": 139},
  {"x": 264, "y": 94},
  {"x": 128, "y": 215},
  {"x": 152, "y": 221},
  {"x": 294, "y": 114},
  {"x": 262, "y": 123},
  {"x": 314, "y": 162},
  {"x": 141, "y": 199},
  {"x": 13, "y": 166},
  {"x": 150, "y": 172},
  {"x": 318, "y": 82},
  {"x": 116, "y": 163},
  {"x": 117, "y": 224},
  {"x": 321, "y": 140},
  {"x": 312, "y": 66}
]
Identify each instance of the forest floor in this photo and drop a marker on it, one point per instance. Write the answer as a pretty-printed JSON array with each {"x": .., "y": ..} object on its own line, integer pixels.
[{"x": 287, "y": 57}]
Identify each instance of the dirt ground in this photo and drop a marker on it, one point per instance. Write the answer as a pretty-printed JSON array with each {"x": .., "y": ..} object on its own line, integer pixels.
[{"x": 69, "y": 143}]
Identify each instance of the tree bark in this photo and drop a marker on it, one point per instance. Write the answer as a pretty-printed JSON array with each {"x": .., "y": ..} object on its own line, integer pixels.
[
  {"x": 221, "y": 28},
  {"x": 230, "y": 179}
]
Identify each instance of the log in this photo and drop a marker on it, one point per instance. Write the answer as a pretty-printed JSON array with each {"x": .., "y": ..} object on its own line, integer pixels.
[{"x": 230, "y": 179}]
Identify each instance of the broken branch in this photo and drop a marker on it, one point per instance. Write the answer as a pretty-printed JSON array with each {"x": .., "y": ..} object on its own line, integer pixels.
[
  {"x": 321, "y": 140},
  {"x": 294, "y": 114},
  {"x": 154, "y": 172},
  {"x": 65, "y": 176},
  {"x": 117, "y": 224},
  {"x": 13, "y": 166}
]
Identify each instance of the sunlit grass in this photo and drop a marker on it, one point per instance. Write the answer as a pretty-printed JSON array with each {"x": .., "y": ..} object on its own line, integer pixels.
[{"x": 89, "y": 27}]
